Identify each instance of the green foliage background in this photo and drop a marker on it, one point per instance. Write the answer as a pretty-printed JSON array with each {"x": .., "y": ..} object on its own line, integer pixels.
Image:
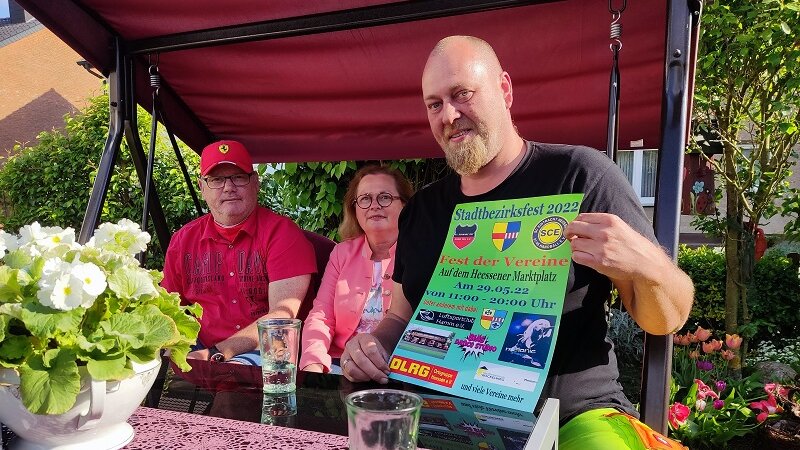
[
  {"x": 706, "y": 268},
  {"x": 311, "y": 193},
  {"x": 773, "y": 294},
  {"x": 50, "y": 182}
]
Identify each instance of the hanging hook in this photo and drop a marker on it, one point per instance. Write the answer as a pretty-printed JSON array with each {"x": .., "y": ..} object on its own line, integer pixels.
[
  {"x": 155, "y": 77},
  {"x": 616, "y": 27},
  {"x": 613, "y": 10},
  {"x": 616, "y": 30}
]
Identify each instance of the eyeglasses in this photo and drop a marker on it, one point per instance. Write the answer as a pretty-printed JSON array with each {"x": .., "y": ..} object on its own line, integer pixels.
[
  {"x": 240, "y": 179},
  {"x": 384, "y": 199}
]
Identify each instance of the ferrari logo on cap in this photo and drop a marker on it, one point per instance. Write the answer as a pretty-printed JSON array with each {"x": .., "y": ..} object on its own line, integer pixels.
[{"x": 223, "y": 148}]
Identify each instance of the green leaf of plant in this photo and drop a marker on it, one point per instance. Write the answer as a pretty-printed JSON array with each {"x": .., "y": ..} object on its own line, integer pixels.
[
  {"x": 15, "y": 348},
  {"x": 785, "y": 28},
  {"x": 50, "y": 390},
  {"x": 131, "y": 283},
  {"x": 44, "y": 322},
  {"x": 96, "y": 344},
  {"x": 144, "y": 354},
  {"x": 10, "y": 290},
  {"x": 109, "y": 369},
  {"x": 178, "y": 353},
  {"x": 129, "y": 329},
  {"x": 160, "y": 328}
]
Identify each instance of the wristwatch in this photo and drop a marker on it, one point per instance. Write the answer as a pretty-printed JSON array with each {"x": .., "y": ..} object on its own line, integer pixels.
[{"x": 215, "y": 355}]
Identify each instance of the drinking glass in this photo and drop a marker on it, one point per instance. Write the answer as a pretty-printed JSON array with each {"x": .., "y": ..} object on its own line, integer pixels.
[
  {"x": 279, "y": 342},
  {"x": 383, "y": 419},
  {"x": 279, "y": 409}
]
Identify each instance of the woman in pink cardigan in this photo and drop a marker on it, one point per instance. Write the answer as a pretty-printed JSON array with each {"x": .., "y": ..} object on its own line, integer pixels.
[{"x": 357, "y": 285}]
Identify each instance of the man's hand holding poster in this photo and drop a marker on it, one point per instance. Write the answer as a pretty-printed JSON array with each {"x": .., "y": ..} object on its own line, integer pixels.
[{"x": 487, "y": 325}]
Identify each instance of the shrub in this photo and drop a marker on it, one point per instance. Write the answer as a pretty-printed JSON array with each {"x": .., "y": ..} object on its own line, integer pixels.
[
  {"x": 774, "y": 299},
  {"x": 706, "y": 267},
  {"x": 627, "y": 337},
  {"x": 51, "y": 182}
]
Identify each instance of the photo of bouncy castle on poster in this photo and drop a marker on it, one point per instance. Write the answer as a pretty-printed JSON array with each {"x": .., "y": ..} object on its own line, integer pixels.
[{"x": 487, "y": 324}]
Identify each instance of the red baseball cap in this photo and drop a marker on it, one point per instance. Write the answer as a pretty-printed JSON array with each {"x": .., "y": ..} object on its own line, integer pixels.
[{"x": 225, "y": 152}]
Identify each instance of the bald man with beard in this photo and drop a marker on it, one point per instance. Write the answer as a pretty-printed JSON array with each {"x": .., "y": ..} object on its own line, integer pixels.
[{"x": 468, "y": 98}]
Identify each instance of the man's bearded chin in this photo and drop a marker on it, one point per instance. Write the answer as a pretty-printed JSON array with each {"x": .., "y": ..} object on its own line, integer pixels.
[{"x": 467, "y": 157}]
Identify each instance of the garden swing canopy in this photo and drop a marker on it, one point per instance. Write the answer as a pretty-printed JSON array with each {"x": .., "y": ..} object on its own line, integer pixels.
[
  {"x": 329, "y": 80},
  {"x": 355, "y": 93}
]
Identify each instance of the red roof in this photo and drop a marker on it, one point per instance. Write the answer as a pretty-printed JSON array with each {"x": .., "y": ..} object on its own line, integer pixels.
[{"x": 355, "y": 93}]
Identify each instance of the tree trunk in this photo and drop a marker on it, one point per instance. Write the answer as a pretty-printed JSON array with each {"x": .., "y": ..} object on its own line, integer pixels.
[{"x": 734, "y": 288}]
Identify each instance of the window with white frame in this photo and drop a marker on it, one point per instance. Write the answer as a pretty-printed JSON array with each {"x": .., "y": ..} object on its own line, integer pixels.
[{"x": 640, "y": 168}]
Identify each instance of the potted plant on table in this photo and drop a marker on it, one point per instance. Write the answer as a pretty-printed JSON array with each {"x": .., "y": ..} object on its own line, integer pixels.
[{"x": 82, "y": 327}]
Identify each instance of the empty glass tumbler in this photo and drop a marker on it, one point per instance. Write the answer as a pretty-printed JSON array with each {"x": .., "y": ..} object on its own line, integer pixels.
[{"x": 383, "y": 419}]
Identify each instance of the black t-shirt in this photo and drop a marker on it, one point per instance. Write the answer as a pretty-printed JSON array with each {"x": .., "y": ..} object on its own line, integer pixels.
[{"x": 583, "y": 374}]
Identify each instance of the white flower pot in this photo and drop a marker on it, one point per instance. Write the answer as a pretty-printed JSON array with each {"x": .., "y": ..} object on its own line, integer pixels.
[{"x": 97, "y": 421}]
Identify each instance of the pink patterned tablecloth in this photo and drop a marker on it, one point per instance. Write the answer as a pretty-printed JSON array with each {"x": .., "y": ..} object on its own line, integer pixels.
[{"x": 160, "y": 429}]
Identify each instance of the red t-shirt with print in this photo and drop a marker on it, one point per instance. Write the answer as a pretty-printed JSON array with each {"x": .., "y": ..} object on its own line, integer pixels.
[{"x": 230, "y": 279}]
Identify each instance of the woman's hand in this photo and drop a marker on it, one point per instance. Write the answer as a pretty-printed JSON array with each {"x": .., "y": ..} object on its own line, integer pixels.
[
  {"x": 365, "y": 359},
  {"x": 316, "y": 367}
]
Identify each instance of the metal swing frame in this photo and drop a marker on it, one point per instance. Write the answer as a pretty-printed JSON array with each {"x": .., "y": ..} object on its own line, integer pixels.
[{"x": 682, "y": 31}]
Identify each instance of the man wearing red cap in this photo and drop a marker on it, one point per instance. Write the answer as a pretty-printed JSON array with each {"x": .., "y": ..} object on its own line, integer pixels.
[{"x": 241, "y": 262}]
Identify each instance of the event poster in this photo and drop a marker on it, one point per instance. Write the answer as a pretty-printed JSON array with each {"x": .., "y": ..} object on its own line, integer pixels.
[
  {"x": 487, "y": 324},
  {"x": 450, "y": 423}
]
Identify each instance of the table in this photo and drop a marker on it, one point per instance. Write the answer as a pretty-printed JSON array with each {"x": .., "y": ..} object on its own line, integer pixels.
[
  {"x": 233, "y": 391},
  {"x": 221, "y": 405}
]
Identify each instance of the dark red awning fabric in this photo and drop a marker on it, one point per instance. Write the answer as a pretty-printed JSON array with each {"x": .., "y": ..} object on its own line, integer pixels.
[{"x": 356, "y": 94}]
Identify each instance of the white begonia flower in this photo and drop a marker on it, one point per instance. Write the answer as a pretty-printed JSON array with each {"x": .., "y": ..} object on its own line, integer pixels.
[
  {"x": 124, "y": 235},
  {"x": 8, "y": 242},
  {"x": 54, "y": 271},
  {"x": 67, "y": 293},
  {"x": 92, "y": 279},
  {"x": 47, "y": 242},
  {"x": 66, "y": 286},
  {"x": 30, "y": 234},
  {"x": 55, "y": 236}
]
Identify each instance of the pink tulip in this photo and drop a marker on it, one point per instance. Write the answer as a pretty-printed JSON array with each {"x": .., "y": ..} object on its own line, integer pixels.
[
  {"x": 708, "y": 347},
  {"x": 678, "y": 413},
  {"x": 692, "y": 337},
  {"x": 704, "y": 391},
  {"x": 727, "y": 355},
  {"x": 694, "y": 354},
  {"x": 702, "y": 334},
  {"x": 766, "y": 407},
  {"x": 775, "y": 388},
  {"x": 700, "y": 404},
  {"x": 717, "y": 344},
  {"x": 733, "y": 341}
]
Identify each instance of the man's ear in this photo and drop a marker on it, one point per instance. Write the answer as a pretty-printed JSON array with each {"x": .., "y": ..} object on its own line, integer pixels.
[{"x": 505, "y": 86}]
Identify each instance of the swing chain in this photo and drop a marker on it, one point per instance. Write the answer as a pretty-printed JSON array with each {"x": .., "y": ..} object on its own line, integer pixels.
[{"x": 616, "y": 27}]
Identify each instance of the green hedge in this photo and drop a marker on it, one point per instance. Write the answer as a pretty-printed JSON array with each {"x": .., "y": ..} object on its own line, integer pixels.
[
  {"x": 773, "y": 293},
  {"x": 774, "y": 298},
  {"x": 50, "y": 182},
  {"x": 706, "y": 267}
]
